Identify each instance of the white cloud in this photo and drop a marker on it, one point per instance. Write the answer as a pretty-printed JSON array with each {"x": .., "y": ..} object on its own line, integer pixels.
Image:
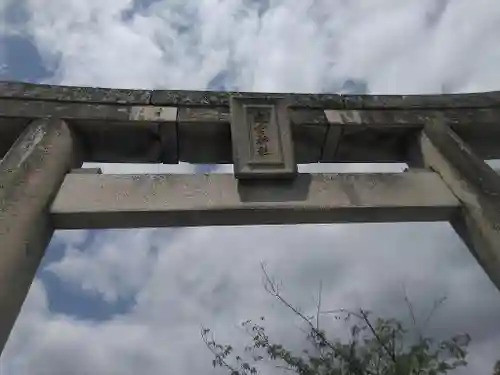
[
  {"x": 211, "y": 275},
  {"x": 309, "y": 46},
  {"x": 114, "y": 266}
]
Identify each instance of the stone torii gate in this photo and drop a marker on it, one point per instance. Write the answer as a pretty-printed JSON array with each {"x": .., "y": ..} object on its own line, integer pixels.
[{"x": 47, "y": 132}]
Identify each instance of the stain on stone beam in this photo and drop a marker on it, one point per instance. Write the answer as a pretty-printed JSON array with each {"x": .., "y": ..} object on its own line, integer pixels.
[
  {"x": 471, "y": 167},
  {"x": 22, "y": 90},
  {"x": 468, "y": 100},
  {"x": 85, "y": 111},
  {"x": 219, "y": 98},
  {"x": 130, "y": 201}
]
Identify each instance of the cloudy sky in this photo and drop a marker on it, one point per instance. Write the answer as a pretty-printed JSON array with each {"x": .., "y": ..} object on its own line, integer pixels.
[{"x": 132, "y": 301}]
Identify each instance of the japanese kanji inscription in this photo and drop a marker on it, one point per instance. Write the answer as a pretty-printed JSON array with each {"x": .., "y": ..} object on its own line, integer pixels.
[{"x": 262, "y": 139}]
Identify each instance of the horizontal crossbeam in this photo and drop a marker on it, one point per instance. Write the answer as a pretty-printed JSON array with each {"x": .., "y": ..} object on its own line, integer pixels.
[
  {"x": 161, "y": 126},
  {"x": 126, "y": 201},
  {"x": 29, "y": 91}
]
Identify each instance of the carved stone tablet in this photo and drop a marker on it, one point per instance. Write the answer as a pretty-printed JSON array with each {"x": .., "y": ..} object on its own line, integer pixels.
[{"x": 262, "y": 138}]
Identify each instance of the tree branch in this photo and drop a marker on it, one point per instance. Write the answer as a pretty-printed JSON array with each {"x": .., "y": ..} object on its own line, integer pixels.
[{"x": 274, "y": 291}]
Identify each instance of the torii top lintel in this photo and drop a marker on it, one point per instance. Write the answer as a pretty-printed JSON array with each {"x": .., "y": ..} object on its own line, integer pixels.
[{"x": 168, "y": 126}]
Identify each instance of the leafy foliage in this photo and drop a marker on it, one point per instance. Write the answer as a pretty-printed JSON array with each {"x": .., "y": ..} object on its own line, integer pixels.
[{"x": 375, "y": 347}]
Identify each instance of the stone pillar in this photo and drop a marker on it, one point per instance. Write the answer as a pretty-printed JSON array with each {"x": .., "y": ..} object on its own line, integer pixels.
[
  {"x": 476, "y": 185},
  {"x": 30, "y": 176}
]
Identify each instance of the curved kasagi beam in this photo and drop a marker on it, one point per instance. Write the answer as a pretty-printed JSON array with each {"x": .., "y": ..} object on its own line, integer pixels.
[
  {"x": 168, "y": 126},
  {"x": 28, "y": 91}
]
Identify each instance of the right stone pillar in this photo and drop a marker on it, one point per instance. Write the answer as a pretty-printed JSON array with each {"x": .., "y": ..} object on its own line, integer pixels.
[{"x": 475, "y": 184}]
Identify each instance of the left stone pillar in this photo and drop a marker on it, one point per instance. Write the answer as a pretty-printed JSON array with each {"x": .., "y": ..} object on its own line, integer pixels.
[{"x": 30, "y": 176}]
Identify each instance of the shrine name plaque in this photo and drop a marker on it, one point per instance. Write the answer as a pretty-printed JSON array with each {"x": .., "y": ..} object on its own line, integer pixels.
[{"x": 262, "y": 138}]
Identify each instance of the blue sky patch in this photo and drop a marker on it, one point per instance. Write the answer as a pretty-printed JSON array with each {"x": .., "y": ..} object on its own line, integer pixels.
[
  {"x": 21, "y": 60},
  {"x": 137, "y": 7},
  {"x": 68, "y": 299}
]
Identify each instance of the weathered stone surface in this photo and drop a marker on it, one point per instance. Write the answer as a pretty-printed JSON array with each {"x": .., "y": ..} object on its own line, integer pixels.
[
  {"x": 111, "y": 133},
  {"x": 125, "y": 201},
  {"x": 386, "y": 135},
  {"x": 262, "y": 138},
  {"x": 153, "y": 113},
  {"x": 218, "y": 99},
  {"x": 308, "y": 142},
  {"x": 462, "y": 158},
  {"x": 191, "y": 98},
  {"x": 169, "y": 143},
  {"x": 21, "y": 90},
  {"x": 193, "y": 115},
  {"x": 331, "y": 145},
  {"x": 377, "y": 145},
  {"x": 344, "y": 117},
  {"x": 65, "y": 110},
  {"x": 204, "y": 135},
  {"x": 364, "y": 135},
  {"x": 476, "y": 185},
  {"x": 203, "y": 124},
  {"x": 309, "y": 128},
  {"x": 30, "y": 176},
  {"x": 470, "y": 100},
  {"x": 477, "y": 120},
  {"x": 85, "y": 111},
  {"x": 112, "y": 142},
  {"x": 308, "y": 117},
  {"x": 86, "y": 170},
  {"x": 486, "y": 147},
  {"x": 10, "y": 129}
]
